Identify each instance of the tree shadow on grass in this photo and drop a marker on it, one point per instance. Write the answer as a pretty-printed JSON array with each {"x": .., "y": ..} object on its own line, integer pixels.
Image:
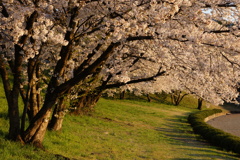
[
  {"x": 178, "y": 130},
  {"x": 3, "y": 117}
]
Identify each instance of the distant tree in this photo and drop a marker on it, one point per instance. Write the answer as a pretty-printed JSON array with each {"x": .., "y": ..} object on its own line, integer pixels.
[
  {"x": 122, "y": 95},
  {"x": 177, "y": 97},
  {"x": 200, "y": 101}
]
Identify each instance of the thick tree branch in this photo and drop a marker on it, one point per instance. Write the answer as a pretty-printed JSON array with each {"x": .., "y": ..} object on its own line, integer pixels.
[
  {"x": 220, "y": 31},
  {"x": 65, "y": 52},
  {"x": 79, "y": 76},
  {"x": 223, "y": 31},
  {"x": 230, "y": 61},
  {"x": 178, "y": 39},
  {"x": 203, "y": 43},
  {"x": 87, "y": 61},
  {"x": 4, "y": 10},
  {"x": 88, "y": 71},
  {"x": 5, "y": 79},
  {"x": 134, "y": 38},
  {"x": 116, "y": 85},
  {"x": 224, "y": 5},
  {"x": 89, "y": 57}
]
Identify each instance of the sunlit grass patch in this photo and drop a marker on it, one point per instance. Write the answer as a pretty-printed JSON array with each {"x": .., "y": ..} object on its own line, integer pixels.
[
  {"x": 130, "y": 130},
  {"x": 117, "y": 130}
]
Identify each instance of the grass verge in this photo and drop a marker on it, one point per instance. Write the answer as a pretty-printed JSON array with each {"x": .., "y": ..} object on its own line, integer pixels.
[
  {"x": 126, "y": 130},
  {"x": 119, "y": 130},
  {"x": 213, "y": 135}
]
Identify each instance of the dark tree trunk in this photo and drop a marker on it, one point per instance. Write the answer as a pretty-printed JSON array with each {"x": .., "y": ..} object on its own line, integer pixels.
[
  {"x": 85, "y": 103},
  {"x": 12, "y": 99},
  {"x": 34, "y": 100},
  {"x": 36, "y": 131},
  {"x": 200, "y": 102},
  {"x": 32, "y": 96},
  {"x": 13, "y": 110},
  {"x": 122, "y": 95},
  {"x": 39, "y": 123},
  {"x": 16, "y": 67},
  {"x": 14, "y": 119},
  {"x": 58, "y": 115},
  {"x": 149, "y": 98},
  {"x": 177, "y": 97}
]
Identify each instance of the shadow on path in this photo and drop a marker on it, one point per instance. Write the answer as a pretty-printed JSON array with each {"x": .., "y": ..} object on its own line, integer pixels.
[
  {"x": 178, "y": 130},
  {"x": 230, "y": 107}
]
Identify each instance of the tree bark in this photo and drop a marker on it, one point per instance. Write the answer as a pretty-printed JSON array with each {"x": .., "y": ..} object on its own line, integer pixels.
[
  {"x": 200, "y": 102},
  {"x": 31, "y": 97},
  {"x": 85, "y": 104},
  {"x": 38, "y": 125},
  {"x": 36, "y": 131},
  {"x": 149, "y": 98},
  {"x": 177, "y": 97},
  {"x": 34, "y": 100},
  {"x": 57, "y": 116},
  {"x": 122, "y": 95},
  {"x": 12, "y": 99},
  {"x": 13, "y": 109},
  {"x": 14, "y": 119},
  {"x": 16, "y": 67}
]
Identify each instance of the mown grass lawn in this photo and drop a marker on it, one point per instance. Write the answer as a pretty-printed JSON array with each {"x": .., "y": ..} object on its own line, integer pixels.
[
  {"x": 119, "y": 130},
  {"x": 122, "y": 129}
]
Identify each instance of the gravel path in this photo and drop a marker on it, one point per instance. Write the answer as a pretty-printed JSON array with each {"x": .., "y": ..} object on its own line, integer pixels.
[{"x": 228, "y": 123}]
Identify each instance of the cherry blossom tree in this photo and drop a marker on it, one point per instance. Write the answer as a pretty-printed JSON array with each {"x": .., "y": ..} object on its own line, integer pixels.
[
  {"x": 51, "y": 46},
  {"x": 209, "y": 67},
  {"x": 54, "y": 49}
]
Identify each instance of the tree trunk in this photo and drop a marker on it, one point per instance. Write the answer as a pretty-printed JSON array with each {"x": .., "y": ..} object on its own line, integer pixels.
[
  {"x": 200, "y": 102},
  {"x": 57, "y": 116},
  {"x": 149, "y": 98},
  {"x": 31, "y": 97},
  {"x": 34, "y": 101},
  {"x": 16, "y": 67},
  {"x": 36, "y": 131},
  {"x": 122, "y": 95},
  {"x": 34, "y": 96},
  {"x": 85, "y": 103},
  {"x": 177, "y": 97},
  {"x": 14, "y": 119},
  {"x": 13, "y": 110},
  {"x": 12, "y": 99}
]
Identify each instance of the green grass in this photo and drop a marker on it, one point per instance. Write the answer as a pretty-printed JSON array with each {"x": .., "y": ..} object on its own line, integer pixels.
[
  {"x": 118, "y": 130},
  {"x": 131, "y": 130},
  {"x": 12, "y": 150},
  {"x": 189, "y": 101}
]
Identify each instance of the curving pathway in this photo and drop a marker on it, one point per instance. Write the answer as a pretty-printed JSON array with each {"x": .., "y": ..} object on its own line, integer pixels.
[{"x": 229, "y": 123}]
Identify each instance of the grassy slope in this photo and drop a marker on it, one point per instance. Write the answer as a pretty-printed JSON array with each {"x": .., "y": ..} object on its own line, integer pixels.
[
  {"x": 131, "y": 130},
  {"x": 118, "y": 130},
  {"x": 12, "y": 150}
]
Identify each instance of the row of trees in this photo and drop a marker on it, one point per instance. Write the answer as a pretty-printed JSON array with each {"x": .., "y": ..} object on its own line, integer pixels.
[{"x": 56, "y": 51}]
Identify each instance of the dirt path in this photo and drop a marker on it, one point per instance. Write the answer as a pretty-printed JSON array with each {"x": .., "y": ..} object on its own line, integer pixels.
[{"x": 229, "y": 122}]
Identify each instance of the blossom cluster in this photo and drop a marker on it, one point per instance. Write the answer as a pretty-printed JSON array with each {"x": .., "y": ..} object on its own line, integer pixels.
[{"x": 189, "y": 39}]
